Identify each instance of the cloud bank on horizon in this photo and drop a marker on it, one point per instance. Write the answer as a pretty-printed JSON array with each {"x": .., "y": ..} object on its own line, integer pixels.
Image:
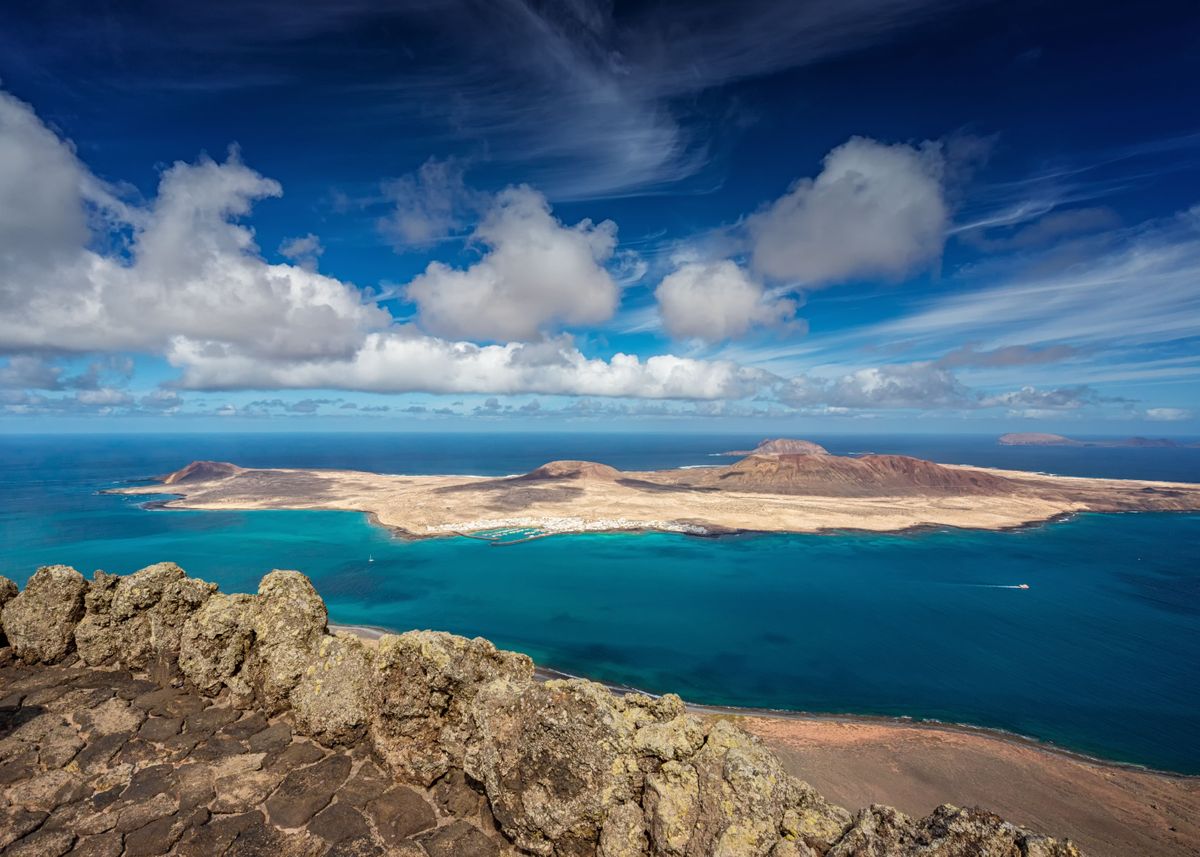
[{"x": 890, "y": 276}]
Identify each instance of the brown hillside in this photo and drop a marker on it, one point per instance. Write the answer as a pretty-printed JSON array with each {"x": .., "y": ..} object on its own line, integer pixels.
[{"x": 839, "y": 476}]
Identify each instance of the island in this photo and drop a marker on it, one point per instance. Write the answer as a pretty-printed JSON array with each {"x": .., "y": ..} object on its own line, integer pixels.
[
  {"x": 804, "y": 491},
  {"x": 1044, "y": 439}
]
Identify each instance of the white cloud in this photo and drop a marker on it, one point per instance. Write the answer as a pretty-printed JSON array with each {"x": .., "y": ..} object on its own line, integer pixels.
[
  {"x": 1169, "y": 414},
  {"x": 900, "y": 385},
  {"x": 194, "y": 287},
  {"x": 427, "y": 206},
  {"x": 874, "y": 210},
  {"x": 1056, "y": 399},
  {"x": 26, "y": 372},
  {"x": 715, "y": 301},
  {"x": 104, "y": 396},
  {"x": 304, "y": 251},
  {"x": 191, "y": 271},
  {"x": 34, "y": 372},
  {"x": 536, "y": 274},
  {"x": 43, "y": 222},
  {"x": 404, "y": 360}
]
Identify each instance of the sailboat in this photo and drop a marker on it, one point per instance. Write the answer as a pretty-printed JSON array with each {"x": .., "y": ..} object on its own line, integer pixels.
[{"x": 371, "y": 558}]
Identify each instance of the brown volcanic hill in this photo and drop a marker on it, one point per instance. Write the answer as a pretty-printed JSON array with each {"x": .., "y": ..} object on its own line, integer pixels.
[
  {"x": 573, "y": 470},
  {"x": 202, "y": 471},
  {"x": 841, "y": 476},
  {"x": 782, "y": 446},
  {"x": 788, "y": 446}
]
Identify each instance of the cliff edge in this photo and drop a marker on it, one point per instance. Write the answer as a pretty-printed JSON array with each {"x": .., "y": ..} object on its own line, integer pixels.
[{"x": 561, "y": 767}]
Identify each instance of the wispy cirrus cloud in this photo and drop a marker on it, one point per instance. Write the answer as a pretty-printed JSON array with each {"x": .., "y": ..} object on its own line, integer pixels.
[{"x": 589, "y": 98}]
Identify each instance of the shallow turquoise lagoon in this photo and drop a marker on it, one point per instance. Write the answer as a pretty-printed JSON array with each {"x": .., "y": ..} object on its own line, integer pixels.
[{"x": 1101, "y": 654}]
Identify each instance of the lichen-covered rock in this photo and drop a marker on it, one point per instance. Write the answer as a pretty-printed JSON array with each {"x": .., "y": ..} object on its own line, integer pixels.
[
  {"x": 180, "y": 599},
  {"x": 947, "y": 832},
  {"x": 136, "y": 619},
  {"x": 94, "y": 638},
  {"x": 8, "y": 591},
  {"x": 40, "y": 622},
  {"x": 734, "y": 798},
  {"x": 663, "y": 729},
  {"x": 289, "y": 622},
  {"x": 426, "y": 682},
  {"x": 623, "y": 833},
  {"x": 215, "y": 642},
  {"x": 335, "y": 696},
  {"x": 554, "y": 758}
]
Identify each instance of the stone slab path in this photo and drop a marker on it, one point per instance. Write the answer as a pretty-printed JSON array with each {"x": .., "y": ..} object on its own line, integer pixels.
[{"x": 101, "y": 763}]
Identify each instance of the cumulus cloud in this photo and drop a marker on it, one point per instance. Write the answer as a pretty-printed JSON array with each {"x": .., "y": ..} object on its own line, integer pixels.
[
  {"x": 193, "y": 286},
  {"x": 26, "y": 372},
  {"x": 192, "y": 272},
  {"x": 874, "y": 210},
  {"x": 1055, "y": 399},
  {"x": 304, "y": 251},
  {"x": 1169, "y": 414},
  {"x": 404, "y": 360},
  {"x": 537, "y": 273},
  {"x": 715, "y": 301},
  {"x": 427, "y": 206},
  {"x": 904, "y": 385},
  {"x": 34, "y": 372},
  {"x": 161, "y": 400}
]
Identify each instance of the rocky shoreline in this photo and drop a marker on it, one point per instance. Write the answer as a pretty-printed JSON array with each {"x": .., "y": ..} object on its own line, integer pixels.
[{"x": 562, "y": 767}]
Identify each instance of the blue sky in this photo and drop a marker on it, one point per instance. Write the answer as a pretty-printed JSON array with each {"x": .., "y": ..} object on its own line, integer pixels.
[{"x": 855, "y": 216}]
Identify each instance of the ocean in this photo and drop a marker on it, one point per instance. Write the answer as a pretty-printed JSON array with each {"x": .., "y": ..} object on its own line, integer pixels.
[{"x": 1100, "y": 655}]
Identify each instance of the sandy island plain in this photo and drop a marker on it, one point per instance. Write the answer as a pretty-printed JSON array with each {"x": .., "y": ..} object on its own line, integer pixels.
[{"x": 798, "y": 492}]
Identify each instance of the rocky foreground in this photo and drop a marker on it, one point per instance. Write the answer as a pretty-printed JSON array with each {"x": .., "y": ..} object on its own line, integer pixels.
[{"x": 151, "y": 714}]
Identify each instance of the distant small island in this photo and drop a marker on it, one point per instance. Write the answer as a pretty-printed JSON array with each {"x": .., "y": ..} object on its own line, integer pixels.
[
  {"x": 784, "y": 485},
  {"x": 1042, "y": 439}
]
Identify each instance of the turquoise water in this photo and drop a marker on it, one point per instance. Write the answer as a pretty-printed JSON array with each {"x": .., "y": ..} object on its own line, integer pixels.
[{"x": 1100, "y": 654}]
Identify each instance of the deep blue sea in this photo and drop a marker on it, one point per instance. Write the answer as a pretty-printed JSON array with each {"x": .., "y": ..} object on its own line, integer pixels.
[{"x": 1100, "y": 655}]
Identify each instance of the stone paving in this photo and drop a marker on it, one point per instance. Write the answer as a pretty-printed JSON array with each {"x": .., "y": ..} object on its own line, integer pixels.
[{"x": 102, "y": 763}]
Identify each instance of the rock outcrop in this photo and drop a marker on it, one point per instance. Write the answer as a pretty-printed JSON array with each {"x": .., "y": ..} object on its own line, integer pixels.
[
  {"x": 556, "y": 768},
  {"x": 40, "y": 621},
  {"x": 8, "y": 591},
  {"x": 136, "y": 620},
  {"x": 426, "y": 684}
]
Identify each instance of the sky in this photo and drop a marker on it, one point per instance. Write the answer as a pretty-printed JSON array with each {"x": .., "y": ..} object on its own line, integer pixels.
[{"x": 824, "y": 216}]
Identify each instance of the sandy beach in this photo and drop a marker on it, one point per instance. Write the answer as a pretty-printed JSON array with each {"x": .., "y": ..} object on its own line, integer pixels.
[{"x": 1109, "y": 810}]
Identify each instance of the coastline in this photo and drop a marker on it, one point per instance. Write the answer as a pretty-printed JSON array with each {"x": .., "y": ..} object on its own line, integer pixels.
[
  {"x": 1111, "y": 808},
  {"x": 711, "y": 532},
  {"x": 371, "y": 634}
]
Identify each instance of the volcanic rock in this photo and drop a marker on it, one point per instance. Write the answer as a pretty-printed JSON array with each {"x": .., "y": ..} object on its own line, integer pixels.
[
  {"x": 202, "y": 471},
  {"x": 427, "y": 682},
  {"x": 39, "y": 623}
]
